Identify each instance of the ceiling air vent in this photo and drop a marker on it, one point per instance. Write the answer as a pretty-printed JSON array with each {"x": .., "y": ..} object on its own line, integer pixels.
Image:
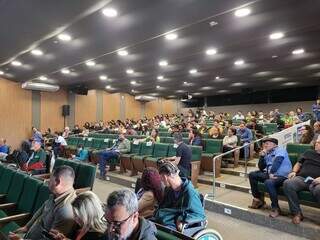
[
  {"x": 45, "y": 87},
  {"x": 144, "y": 98}
]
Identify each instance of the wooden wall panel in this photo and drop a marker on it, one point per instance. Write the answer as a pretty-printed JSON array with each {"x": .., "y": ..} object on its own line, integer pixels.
[
  {"x": 15, "y": 114},
  {"x": 51, "y": 110},
  {"x": 111, "y": 106},
  {"x": 86, "y": 108},
  {"x": 132, "y": 107},
  {"x": 152, "y": 108},
  {"x": 169, "y": 106}
]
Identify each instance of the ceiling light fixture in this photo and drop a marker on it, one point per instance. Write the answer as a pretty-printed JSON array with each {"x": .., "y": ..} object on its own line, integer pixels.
[
  {"x": 110, "y": 12},
  {"x": 185, "y": 83},
  {"x": 158, "y": 87},
  {"x": 211, "y": 51},
  {"x": 1, "y": 72},
  {"x": 193, "y": 71},
  {"x": 276, "y": 35},
  {"x": 103, "y": 77},
  {"x": 160, "y": 77},
  {"x": 90, "y": 63},
  {"x": 242, "y": 12},
  {"x": 43, "y": 78},
  {"x": 130, "y": 71},
  {"x": 298, "y": 51},
  {"x": 217, "y": 77},
  {"x": 163, "y": 63},
  {"x": 108, "y": 87},
  {"x": 64, "y": 37},
  {"x": 133, "y": 82},
  {"x": 36, "y": 52},
  {"x": 171, "y": 36},
  {"x": 239, "y": 62},
  {"x": 65, "y": 71},
  {"x": 122, "y": 53},
  {"x": 16, "y": 63}
]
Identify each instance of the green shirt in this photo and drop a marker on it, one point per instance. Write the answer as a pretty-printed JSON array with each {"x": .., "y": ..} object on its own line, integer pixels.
[{"x": 38, "y": 156}]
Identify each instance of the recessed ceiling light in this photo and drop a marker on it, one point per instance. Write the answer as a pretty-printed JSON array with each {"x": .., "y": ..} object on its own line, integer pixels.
[
  {"x": 65, "y": 71},
  {"x": 43, "y": 78},
  {"x": 110, "y": 12},
  {"x": 64, "y": 37},
  {"x": 185, "y": 83},
  {"x": 217, "y": 77},
  {"x": 237, "y": 84},
  {"x": 289, "y": 83},
  {"x": 130, "y": 71},
  {"x": 158, "y": 87},
  {"x": 274, "y": 56},
  {"x": 103, "y": 77},
  {"x": 36, "y": 52},
  {"x": 160, "y": 77},
  {"x": 242, "y": 12},
  {"x": 133, "y": 90},
  {"x": 133, "y": 82},
  {"x": 277, "y": 79},
  {"x": 193, "y": 71},
  {"x": 1, "y": 72},
  {"x": 276, "y": 35},
  {"x": 108, "y": 87},
  {"x": 163, "y": 63},
  {"x": 206, "y": 88},
  {"x": 122, "y": 53},
  {"x": 239, "y": 62},
  {"x": 222, "y": 91},
  {"x": 213, "y": 23},
  {"x": 171, "y": 36},
  {"x": 211, "y": 51},
  {"x": 90, "y": 63},
  {"x": 16, "y": 63},
  {"x": 298, "y": 51}
]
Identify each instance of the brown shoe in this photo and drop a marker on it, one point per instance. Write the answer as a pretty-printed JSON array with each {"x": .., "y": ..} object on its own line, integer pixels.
[
  {"x": 256, "y": 204},
  {"x": 274, "y": 213},
  {"x": 297, "y": 218}
]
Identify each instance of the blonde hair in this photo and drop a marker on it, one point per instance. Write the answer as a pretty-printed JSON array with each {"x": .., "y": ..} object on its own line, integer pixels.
[{"x": 88, "y": 207}]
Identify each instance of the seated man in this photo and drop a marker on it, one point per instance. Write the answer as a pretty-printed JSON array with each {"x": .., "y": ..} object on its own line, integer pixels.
[
  {"x": 56, "y": 212},
  {"x": 122, "y": 218},
  {"x": 274, "y": 165},
  {"x": 37, "y": 160},
  {"x": 122, "y": 145},
  {"x": 181, "y": 202},
  {"x": 183, "y": 156},
  {"x": 82, "y": 154},
  {"x": 305, "y": 176},
  {"x": 4, "y": 149}
]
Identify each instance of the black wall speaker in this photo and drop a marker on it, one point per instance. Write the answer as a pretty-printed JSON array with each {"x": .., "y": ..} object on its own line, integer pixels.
[{"x": 65, "y": 110}]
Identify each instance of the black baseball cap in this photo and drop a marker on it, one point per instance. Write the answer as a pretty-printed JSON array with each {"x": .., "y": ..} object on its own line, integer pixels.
[{"x": 274, "y": 140}]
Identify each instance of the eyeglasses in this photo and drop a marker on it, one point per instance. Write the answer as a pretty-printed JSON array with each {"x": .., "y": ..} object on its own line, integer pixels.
[{"x": 116, "y": 224}]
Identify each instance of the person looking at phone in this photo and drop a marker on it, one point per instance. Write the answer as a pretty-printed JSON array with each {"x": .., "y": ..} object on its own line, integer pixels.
[{"x": 305, "y": 176}]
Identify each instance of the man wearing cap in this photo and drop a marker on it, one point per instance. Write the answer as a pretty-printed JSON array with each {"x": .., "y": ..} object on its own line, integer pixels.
[
  {"x": 274, "y": 167},
  {"x": 37, "y": 161}
]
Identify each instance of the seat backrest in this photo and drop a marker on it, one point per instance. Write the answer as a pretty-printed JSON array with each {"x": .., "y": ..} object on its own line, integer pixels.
[
  {"x": 5, "y": 180},
  {"x": 72, "y": 141},
  {"x": 185, "y": 140},
  {"x": 89, "y": 142},
  {"x": 86, "y": 176},
  {"x": 16, "y": 187},
  {"x": 196, "y": 153},
  {"x": 105, "y": 143},
  {"x": 213, "y": 145},
  {"x": 169, "y": 140},
  {"x": 74, "y": 165},
  {"x": 298, "y": 148},
  {"x": 147, "y": 148},
  {"x": 135, "y": 148},
  {"x": 172, "y": 151},
  {"x": 2, "y": 169},
  {"x": 160, "y": 150},
  {"x": 28, "y": 195},
  {"x": 82, "y": 141},
  {"x": 43, "y": 195},
  {"x": 96, "y": 144},
  {"x": 59, "y": 162}
]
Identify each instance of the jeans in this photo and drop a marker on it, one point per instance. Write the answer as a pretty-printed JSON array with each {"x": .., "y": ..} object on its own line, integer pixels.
[
  {"x": 104, "y": 158},
  {"x": 271, "y": 185},
  {"x": 291, "y": 188}
]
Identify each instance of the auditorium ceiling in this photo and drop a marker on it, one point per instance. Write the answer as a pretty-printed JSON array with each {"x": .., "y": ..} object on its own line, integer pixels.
[{"x": 162, "y": 47}]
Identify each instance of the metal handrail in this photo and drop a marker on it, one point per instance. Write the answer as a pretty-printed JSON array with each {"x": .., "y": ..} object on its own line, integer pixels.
[{"x": 226, "y": 153}]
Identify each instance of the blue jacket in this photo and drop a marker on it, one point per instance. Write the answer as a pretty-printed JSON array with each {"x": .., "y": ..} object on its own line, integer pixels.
[
  {"x": 277, "y": 162},
  {"x": 4, "y": 149},
  {"x": 197, "y": 141},
  {"x": 83, "y": 155},
  {"x": 186, "y": 207},
  {"x": 316, "y": 111},
  {"x": 245, "y": 135}
]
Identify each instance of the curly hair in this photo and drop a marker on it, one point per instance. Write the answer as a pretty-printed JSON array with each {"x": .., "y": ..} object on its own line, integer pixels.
[{"x": 151, "y": 181}]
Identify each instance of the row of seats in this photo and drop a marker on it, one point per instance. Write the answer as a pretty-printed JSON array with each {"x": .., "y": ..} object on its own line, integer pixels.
[{"x": 19, "y": 194}]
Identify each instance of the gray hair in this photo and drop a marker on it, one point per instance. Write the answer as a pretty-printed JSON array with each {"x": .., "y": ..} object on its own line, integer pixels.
[
  {"x": 177, "y": 137},
  {"x": 123, "y": 197}
]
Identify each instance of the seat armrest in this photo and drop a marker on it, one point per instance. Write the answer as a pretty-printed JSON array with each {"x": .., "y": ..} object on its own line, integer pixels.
[
  {"x": 42, "y": 176},
  {"x": 8, "y": 206},
  {"x": 17, "y": 217}
]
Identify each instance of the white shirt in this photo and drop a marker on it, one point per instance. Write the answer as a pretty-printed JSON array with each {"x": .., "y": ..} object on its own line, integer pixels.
[{"x": 61, "y": 140}]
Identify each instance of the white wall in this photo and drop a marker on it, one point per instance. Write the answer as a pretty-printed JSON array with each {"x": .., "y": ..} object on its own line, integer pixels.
[{"x": 266, "y": 107}]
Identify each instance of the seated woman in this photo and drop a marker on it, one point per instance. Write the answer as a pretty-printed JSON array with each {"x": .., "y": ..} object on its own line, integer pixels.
[
  {"x": 82, "y": 154},
  {"x": 195, "y": 137},
  {"x": 154, "y": 137},
  {"x": 88, "y": 212},
  {"x": 230, "y": 142},
  {"x": 151, "y": 192},
  {"x": 307, "y": 134},
  {"x": 215, "y": 133}
]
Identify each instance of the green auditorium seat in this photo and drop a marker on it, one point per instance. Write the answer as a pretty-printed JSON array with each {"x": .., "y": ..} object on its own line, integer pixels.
[
  {"x": 85, "y": 176},
  {"x": 213, "y": 147},
  {"x": 88, "y": 143},
  {"x": 43, "y": 196},
  {"x": 5, "y": 180},
  {"x": 125, "y": 159},
  {"x": 195, "y": 164},
  {"x": 269, "y": 128},
  {"x": 72, "y": 141},
  {"x": 138, "y": 160},
  {"x": 15, "y": 189},
  {"x": 160, "y": 151},
  {"x": 96, "y": 144},
  {"x": 185, "y": 140},
  {"x": 296, "y": 149},
  {"x": 169, "y": 140}
]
